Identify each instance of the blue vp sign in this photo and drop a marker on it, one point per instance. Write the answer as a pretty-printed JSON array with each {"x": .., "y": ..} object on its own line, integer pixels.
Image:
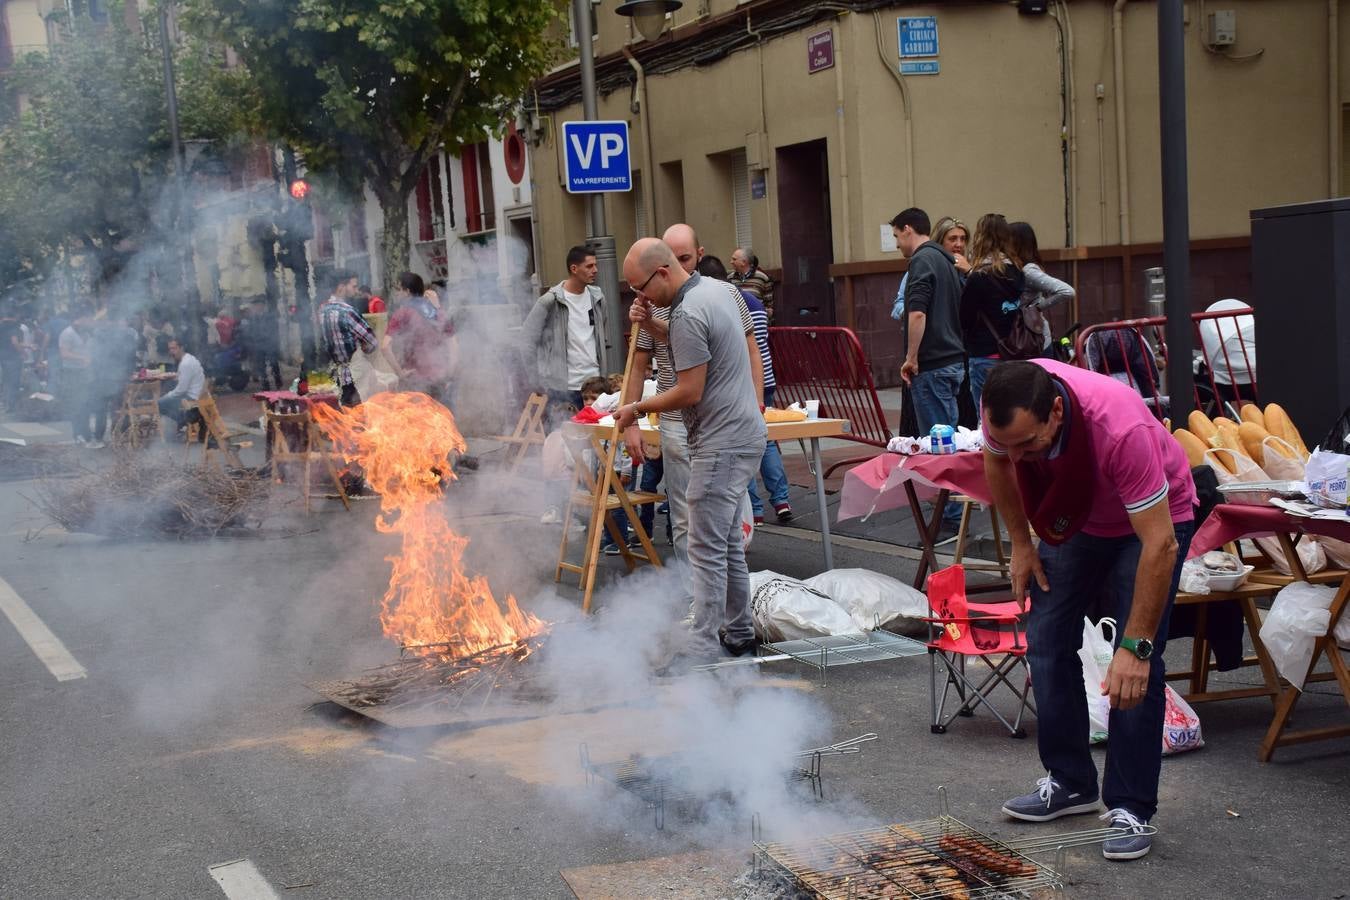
[{"x": 596, "y": 157}]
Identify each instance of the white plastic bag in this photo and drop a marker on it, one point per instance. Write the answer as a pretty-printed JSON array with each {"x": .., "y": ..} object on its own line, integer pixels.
[
  {"x": 874, "y": 600},
  {"x": 1181, "y": 726},
  {"x": 1326, "y": 474},
  {"x": 747, "y": 522},
  {"x": 1300, "y": 615},
  {"x": 371, "y": 374},
  {"x": 1096, "y": 654},
  {"x": 1279, "y": 466},
  {"x": 1342, "y": 632},
  {"x": 786, "y": 609}
]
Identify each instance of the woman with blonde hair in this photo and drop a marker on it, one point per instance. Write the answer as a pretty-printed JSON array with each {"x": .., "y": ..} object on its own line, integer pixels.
[
  {"x": 991, "y": 301},
  {"x": 953, "y": 235}
]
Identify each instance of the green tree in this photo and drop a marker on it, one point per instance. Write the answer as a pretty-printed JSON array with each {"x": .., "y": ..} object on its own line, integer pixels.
[
  {"x": 86, "y": 159},
  {"x": 369, "y": 90}
]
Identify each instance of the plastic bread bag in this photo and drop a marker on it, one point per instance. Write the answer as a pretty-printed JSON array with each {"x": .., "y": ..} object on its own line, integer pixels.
[
  {"x": 786, "y": 609},
  {"x": 1300, "y": 615}
]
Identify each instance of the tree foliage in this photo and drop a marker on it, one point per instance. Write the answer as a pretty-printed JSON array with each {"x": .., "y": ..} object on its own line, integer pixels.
[
  {"x": 369, "y": 90},
  {"x": 86, "y": 157}
]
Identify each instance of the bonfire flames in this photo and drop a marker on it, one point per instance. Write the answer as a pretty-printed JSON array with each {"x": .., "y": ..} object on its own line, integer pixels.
[{"x": 447, "y": 619}]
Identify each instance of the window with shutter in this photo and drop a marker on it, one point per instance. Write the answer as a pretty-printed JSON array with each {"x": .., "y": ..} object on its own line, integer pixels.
[
  {"x": 740, "y": 197},
  {"x": 639, "y": 207}
]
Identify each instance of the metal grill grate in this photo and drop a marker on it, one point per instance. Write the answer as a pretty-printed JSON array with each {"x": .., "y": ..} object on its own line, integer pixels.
[{"x": 938, "y": 858}]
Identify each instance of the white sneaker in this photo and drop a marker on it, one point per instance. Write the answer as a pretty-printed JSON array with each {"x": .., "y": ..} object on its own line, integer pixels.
[{"x": 96, "y": 445}]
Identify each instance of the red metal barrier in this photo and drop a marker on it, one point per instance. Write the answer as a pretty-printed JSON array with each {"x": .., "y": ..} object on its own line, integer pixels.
[
  {"x": 1135, "y": 352},
  {"x": 828, "y": 364}
]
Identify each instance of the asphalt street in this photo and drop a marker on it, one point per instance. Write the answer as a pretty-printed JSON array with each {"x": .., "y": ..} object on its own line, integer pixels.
[{"x": 192, "y": 740}]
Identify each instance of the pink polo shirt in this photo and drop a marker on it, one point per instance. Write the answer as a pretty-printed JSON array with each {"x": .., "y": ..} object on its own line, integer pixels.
[{"x": 1138, "y": 463}]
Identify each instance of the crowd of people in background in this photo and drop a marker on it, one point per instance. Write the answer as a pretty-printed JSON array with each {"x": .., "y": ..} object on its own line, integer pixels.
[
  {"x": 76, "y": 363},
  {"x": 967, "y": 301}
]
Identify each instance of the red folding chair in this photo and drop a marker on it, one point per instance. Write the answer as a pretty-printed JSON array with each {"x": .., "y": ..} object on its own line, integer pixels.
[{"x": 993, "y": 633}]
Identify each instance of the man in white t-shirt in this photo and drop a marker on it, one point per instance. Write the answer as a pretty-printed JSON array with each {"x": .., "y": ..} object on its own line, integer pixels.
[{"x": 565, "y": 331}]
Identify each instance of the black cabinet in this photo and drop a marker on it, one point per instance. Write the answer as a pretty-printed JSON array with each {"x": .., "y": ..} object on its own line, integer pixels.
[{"x": 1301, "y": 294}]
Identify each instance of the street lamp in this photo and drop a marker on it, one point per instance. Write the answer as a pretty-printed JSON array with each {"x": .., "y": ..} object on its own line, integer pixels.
[{"x": 649, "y": 15}]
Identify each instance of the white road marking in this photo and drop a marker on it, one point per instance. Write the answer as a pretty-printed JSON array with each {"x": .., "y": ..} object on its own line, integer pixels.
[
  {"x": 241, "y": 880},
  {"x": 46, "y": 645}
]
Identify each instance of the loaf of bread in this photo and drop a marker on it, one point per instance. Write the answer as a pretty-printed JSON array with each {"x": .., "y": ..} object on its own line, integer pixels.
[
  {"x": 1253, "y": 437},
  {"x": 1279, "y": 424},
  {"x": 1194, "y": 447},
  {"x": 1252, "y": 413},
  {"x": 1228, "y": 438},
  {"x": 1200, "y": 426}
]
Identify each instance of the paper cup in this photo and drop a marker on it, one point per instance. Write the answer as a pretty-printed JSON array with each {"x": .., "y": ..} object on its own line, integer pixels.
[{"x": 813, "y": 409}]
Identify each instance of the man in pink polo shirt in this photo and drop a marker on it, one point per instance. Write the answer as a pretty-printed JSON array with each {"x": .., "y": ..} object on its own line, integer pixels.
[{"x": 1079, "y": 458}]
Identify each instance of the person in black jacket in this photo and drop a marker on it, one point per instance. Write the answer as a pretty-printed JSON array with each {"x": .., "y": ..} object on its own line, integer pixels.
[
  {"x": 935, "y": 361},
  {"x": 992, "y": 298}
]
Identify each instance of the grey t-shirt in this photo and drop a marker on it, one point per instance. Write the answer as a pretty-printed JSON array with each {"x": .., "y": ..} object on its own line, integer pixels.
[{"x": 705, "y": 328}]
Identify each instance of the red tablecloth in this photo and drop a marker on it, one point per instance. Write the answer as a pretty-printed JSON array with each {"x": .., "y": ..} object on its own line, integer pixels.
[
  {"x": 878, "y": 484},
  {"x": 1230, "y": 521}
]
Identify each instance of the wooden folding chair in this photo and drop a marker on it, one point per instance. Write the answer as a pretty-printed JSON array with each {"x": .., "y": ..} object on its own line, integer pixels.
[
  {"x": 297, "y": 441},
  {"x": 602, "y": 493},
  {"x": 529, "y": 431},
  {"x": 138, "y": 413},
  {"x": 220, "y": 437}
]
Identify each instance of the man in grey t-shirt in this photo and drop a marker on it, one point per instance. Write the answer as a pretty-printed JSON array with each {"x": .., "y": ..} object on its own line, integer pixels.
[{"x": 716, "y": 392}]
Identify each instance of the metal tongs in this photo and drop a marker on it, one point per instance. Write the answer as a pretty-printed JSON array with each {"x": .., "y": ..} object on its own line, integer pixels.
[{"x": 853, "y": 745}]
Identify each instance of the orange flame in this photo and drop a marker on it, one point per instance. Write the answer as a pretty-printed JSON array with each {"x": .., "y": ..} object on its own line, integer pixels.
[{"x": 403, "y": 441}]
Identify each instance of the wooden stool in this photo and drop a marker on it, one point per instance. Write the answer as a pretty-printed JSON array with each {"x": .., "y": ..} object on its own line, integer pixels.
[
  {"x": 140, "y": 409},
  {"x": 963, "y": 535},
  {"x": 529, "y": 431},
  {"x": 300, "y": 428},
  {"x": 602, "y": 493}
]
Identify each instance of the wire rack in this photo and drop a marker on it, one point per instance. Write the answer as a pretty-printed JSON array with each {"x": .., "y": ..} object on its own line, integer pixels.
[
  {"x": 823, "y": 653},
  {"x": 937, "y": 858},
  {"x": 941, "y": 857}
]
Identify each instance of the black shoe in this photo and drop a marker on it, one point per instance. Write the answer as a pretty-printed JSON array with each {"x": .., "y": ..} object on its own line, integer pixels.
[{"x": 740, "y": 648}]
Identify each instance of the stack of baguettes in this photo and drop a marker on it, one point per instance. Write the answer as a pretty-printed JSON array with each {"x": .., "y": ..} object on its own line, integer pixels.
[{"x": 1257, "y": 436}]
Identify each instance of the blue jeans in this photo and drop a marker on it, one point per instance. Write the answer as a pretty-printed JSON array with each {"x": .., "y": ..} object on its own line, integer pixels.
[
  {"x": 934, "y": 394},
  {"x": 652, "y": 472},
  {"x": 980, "y": 367},
  {"x": 771, "y": 470},
  {"x": 1082, "y": 571}
]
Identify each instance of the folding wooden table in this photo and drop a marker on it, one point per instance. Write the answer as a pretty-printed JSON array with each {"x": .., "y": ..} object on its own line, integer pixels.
[
  {"x": 812, "y": 430},
  {"x": 1232, "y": 522}
]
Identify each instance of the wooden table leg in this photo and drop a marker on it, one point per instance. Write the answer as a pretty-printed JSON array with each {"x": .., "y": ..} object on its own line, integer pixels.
[
  {"x": 1276, "y": 736},
  {"x": 928, "y": 531}
]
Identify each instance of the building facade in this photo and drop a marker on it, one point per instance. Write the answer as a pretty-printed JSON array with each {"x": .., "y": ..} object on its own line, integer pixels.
[{"x": 800, "y": 130}]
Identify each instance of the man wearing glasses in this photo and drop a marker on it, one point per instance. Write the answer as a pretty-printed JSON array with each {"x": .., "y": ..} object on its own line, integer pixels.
[
  {"x": 654, "y": 344},
  {"x": 715, "y": 392}
]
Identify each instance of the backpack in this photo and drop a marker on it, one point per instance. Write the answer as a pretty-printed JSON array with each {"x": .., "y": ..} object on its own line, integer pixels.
[{"x": 1020, "y": 342}]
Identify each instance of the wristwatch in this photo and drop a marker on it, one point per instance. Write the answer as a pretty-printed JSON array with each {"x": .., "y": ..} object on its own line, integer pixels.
[{"x": 1140, "y": 647}]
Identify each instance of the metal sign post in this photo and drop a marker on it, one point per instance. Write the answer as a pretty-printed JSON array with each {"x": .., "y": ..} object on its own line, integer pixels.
[
  {"x": 599, "y": 238},
  {"x": 1176, "y": 208}
]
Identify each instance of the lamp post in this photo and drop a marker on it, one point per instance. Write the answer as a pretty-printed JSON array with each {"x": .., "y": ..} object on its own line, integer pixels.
[
  {"x": 650, "y": 17},
  {"x": 187, "y": 268},
  {"x": 1176, "y": 205}
]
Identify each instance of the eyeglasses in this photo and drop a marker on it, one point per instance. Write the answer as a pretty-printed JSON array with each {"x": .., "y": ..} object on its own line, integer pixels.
[{"x": 649, "y": 279}]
